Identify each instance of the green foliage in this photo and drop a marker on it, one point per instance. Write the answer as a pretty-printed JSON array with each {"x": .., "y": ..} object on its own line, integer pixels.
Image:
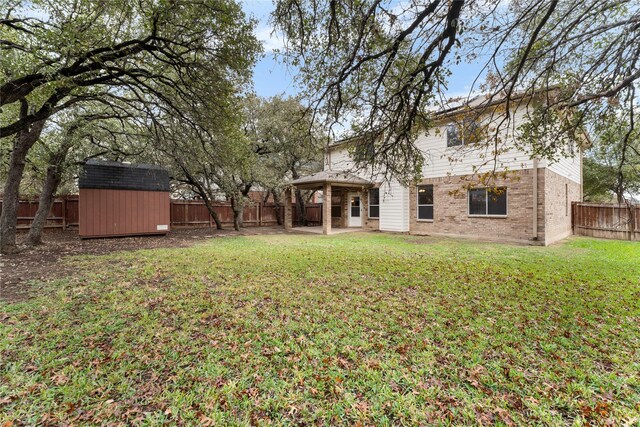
[
  {"x": 382, "y": 68},
  {"x": 612, "y": 166},
  {"x": 264, "y": 144},
  {"x": 549, "y": 134},
  {"x": 288, "y": 143},
  {"x": 358, "y": 329},
  {"x": 143, "y": 58},
  {"x": 599, "y": 181}
]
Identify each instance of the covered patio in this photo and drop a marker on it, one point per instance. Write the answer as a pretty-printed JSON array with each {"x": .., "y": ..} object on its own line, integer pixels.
[{"x": 344, "y": 199}]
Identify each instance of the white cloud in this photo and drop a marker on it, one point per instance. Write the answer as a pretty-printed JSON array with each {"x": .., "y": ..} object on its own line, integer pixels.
[{"x": 270, "y": 39}]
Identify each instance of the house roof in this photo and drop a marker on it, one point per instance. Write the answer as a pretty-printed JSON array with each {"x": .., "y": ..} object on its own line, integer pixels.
[
  {"x": 123, "y": 176},
  {"x": 337, "y": 178}
]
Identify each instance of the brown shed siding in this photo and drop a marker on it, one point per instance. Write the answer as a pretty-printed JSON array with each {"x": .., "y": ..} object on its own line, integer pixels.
[{"x": 105, "y": 212}]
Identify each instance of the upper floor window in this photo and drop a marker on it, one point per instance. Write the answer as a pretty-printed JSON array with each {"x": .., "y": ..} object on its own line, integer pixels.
[
  {"x": 453, "y": 135},
  {"x": 425, "y": 202},
  {"x": 374, "y": 203},
  {"x": 467, "y": 132},
  {"x": 488, "y": 201},
  {"x": 364, "y": 151}
]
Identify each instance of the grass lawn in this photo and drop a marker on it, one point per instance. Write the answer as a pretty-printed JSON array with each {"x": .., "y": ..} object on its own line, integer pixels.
[{"x": 354, "y": 329}]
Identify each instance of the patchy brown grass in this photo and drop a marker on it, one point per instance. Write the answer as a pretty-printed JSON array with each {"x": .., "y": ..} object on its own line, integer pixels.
[{"x": 353, "y": 329}]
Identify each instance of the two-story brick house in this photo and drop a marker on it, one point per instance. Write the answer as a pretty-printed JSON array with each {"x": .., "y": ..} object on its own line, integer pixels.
[{"x": 528, "y": 200}]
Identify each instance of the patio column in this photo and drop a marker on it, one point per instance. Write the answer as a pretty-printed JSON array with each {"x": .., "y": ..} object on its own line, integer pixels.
[
  {"x": 326, "y": 209},
  {"x": 288, "y": 214}
]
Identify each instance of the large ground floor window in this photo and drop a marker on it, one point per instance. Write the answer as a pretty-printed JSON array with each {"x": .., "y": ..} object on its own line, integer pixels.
[
  {"x": 425, "y": 202},
  {"x": 488, "y": 201},
  {"x": 374, "y": 203}
]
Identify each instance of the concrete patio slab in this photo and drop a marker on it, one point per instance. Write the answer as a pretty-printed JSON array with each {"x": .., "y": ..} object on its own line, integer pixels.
[{"x": 318, "y": 230}]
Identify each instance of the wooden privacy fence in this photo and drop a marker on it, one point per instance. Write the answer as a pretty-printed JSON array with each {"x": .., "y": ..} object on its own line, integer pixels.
[
  {"x": 64, "y": 213},
  {"x": 607, "y": 221},
  {"x": 194, "y": 213}
]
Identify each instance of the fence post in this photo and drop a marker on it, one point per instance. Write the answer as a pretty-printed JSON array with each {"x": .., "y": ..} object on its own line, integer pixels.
[{"x": 633, "y": 210}]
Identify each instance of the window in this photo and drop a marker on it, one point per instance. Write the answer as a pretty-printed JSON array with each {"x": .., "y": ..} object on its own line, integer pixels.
[
  {"x": 425, "y": 202},
  {"x": 336, "y": 206},
  {"x": 484, "y": 201},
  {"x": 364, "y": 152},
  {"x": 453, "y": 135},
  {"x": 471, "y": 133},
  {"x": 374, "y": 203}
]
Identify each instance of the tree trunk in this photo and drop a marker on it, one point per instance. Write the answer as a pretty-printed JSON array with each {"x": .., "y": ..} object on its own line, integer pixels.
[
  {"x": 276, "y": 202},
  {"x": 301, "y": 207},
  {"x": 23, "y": 142},
  {"x": 216, "y": 219},
  {"x": 213, "y": 213},
  {"x": 51, "y": 183},
  {"x": 237, "y": 205}
]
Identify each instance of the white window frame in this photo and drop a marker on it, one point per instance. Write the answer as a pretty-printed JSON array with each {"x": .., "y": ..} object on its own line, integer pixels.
[
  {"x": 486, "y": 201},
  {"x": 369, "y": 204},
  {"x": 433, "y": 189}
]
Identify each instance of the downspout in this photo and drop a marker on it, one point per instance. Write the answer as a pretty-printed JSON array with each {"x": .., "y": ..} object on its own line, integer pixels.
[
  {"x": 535, "y": 198},
  {"x": 581, "y": 176}
]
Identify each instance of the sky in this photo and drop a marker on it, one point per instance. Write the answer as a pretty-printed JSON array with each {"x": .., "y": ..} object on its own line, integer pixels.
[
  {"x": 273, "y": 78},
  {"x": 270, "y": 77}
]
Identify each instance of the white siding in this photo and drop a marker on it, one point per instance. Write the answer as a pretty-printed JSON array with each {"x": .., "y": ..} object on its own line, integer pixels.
[
  {"x": 340, "y": 159},
  {"x": 394, "y": 207},
  {"x": 441, "y": 160},
  {"x": 568, "y": 167}
]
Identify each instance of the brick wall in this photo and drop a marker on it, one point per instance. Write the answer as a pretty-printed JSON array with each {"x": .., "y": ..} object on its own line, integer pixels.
[
  {"x": 451, "y": 209},
  {"x": 343, "y": 221},
  {"x": 559, "y": 192}
]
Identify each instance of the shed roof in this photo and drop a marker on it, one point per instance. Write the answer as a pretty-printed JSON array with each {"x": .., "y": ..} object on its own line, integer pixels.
[
  {"x": 123, "y": 176},
  {"x": 334, "y": 177}
]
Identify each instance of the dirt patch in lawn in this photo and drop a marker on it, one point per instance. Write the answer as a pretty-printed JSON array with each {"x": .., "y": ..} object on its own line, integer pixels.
[{"x": 44, "y": 263}]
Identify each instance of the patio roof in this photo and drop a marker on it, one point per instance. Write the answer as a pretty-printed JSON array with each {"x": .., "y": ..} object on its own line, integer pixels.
[{"x": 336, "y": 178}]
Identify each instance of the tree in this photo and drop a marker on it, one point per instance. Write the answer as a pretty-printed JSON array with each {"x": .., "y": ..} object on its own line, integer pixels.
[
  {"x": 80, "y": 134},
  {"x": 612, "y": 165},
  {"x": 213, "y": 158},
  {"x": 598, "y": 181},
  {"x": 279, "y": 128},
  {"x": 151, "y": 56},
  {"x": 383, "y": 67}
]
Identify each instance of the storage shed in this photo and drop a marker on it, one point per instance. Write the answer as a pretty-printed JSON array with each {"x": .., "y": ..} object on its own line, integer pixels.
[{"x": 121, "y": 199}]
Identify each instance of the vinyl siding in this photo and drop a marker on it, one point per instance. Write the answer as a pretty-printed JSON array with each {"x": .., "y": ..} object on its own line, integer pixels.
[
  {"x": 394, "y": 207},
  {"x": 441, "y": 161},
  {"x": 340, "y": 159},
  {"x": 568, "y": 167}
]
